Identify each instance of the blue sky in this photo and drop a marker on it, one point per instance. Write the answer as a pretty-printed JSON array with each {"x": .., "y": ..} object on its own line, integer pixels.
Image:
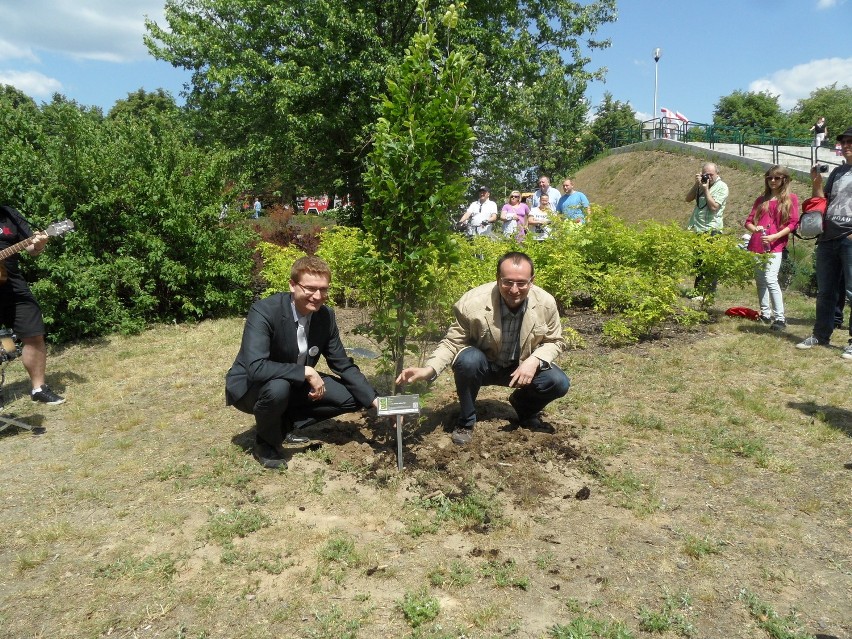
[{"x": 91, "y": 51}]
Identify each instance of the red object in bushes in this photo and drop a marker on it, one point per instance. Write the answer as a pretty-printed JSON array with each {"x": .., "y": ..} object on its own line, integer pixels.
[{"x": 742, "y": 311}]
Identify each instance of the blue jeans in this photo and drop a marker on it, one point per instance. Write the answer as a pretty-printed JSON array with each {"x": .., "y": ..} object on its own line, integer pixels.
[
  {"x": 472, "y": 370},
  {"x": 769, "y": 293},
  {"x": 833, "y": 259}
]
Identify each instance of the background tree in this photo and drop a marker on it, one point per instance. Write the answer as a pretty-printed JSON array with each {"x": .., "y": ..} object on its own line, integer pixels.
[
  {"x": 834, "y": 104},
  {"x": 416, "y": 172},
  {"x": 291, "y": 85},
  {"x": 752, "y": 113},
  {"x": 611, "y": 116},
  {"x": 140, "y": 102}
]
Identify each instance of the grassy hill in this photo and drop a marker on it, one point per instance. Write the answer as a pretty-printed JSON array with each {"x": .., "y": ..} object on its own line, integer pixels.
[{"x": 652, "y": 185}]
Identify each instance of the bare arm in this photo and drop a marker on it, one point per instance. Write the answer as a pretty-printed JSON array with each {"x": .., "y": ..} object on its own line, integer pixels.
[
  {"x": 816, "y": 182},
  {"x": 692, "y": 193}
]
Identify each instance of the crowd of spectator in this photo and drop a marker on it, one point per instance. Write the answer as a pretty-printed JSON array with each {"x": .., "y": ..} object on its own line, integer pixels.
[{"x": 525, "y": 215}]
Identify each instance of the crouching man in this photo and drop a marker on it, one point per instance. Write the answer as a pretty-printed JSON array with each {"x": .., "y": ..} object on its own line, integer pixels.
[
  {"x": 505, "y": 333},
  {"x": 273, "y": 377}
]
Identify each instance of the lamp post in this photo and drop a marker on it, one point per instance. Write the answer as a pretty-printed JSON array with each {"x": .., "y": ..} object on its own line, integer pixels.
[{"x": 657, "y": 54}]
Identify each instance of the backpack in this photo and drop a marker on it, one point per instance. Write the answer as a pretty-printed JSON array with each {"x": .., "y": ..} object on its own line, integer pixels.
[{"x": 810, "y": 221}]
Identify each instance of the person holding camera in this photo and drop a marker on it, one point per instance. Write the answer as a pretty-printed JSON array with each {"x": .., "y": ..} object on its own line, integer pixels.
[
  {"x": 480, "y": 215},
  {"x": 710, "y": 194},
  {"x": 834, "y": 246},
  {"x": 774, "y": 215},
  {"x": 540, "y": 218}
]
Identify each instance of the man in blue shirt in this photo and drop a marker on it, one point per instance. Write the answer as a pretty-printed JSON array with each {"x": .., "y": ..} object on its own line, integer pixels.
[
  {"x": 544, "y": 188},
  {"x": 574, "y": 205}
]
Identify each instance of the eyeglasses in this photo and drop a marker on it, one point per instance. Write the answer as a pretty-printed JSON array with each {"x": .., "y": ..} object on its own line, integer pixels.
[
  {"x": 775, "y": 177},
  {"x": 510, "y": 284},
  {"x": 313, "y": 290},
  {"x": 511, "y": 197}
]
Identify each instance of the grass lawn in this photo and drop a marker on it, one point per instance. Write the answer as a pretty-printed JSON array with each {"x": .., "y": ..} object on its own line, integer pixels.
[{"x": 697, "y": 485}]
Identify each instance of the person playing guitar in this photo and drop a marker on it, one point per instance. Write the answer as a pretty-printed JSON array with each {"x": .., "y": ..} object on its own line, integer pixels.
[{"x": 19, "y": 310}]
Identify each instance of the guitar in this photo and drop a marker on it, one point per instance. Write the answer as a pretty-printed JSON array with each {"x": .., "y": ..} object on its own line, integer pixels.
[{"x": 55, "y": 229}]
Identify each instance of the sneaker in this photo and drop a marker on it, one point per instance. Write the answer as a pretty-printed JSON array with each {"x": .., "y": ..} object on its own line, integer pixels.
[
  {"x": 46, "y": 396},
  {"x": 847, "y": 352},
  {"x": 462, "y": 436},
  {"x": 779, "y": 325},
  {"x": 809, "y": 343},
  {"x": 765, "y": 320},
  {"x": 293, "y": 438}
]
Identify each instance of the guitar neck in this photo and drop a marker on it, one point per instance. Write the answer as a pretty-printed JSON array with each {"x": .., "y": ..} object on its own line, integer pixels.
[{"x": 16, "y": 248}]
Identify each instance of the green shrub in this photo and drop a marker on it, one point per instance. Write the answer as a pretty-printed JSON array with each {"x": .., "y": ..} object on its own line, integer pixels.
[
  {"x": 277, "y": 261},
  {"x": 338, "y": 246},
  {"x": 419, "y": 608}
]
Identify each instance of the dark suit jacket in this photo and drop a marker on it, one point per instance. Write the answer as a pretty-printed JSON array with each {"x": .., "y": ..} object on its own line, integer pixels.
[{"x": 269, "y": 351}]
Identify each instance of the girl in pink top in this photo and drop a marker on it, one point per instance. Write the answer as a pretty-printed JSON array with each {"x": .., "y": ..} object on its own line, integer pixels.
[{"x": 773, "y": 217}]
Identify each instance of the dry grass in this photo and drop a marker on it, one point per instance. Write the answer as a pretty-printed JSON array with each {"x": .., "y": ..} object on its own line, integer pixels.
[
  {"x": 140, "y": 513},
  {"x": 717, "y": 464}
]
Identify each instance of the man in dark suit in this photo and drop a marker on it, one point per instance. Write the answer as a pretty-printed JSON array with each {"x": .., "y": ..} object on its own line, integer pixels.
[{"x": 273, "y": 377}]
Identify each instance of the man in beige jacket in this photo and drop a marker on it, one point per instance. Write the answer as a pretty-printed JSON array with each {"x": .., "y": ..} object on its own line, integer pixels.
[{"x": 506, "y": 333}]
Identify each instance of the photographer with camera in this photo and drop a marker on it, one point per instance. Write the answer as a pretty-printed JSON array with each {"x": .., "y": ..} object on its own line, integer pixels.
[
  {"x": 480, "y": 215},
  {"x": 710, "y": 194},
  {"x": 834, "y": 246}
]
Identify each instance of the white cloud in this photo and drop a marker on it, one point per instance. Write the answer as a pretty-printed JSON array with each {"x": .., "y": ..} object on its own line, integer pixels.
[
  {"x": 84, "y": 29},
  {"x": 9, "y": 51},
  {"x": 792, "y": 85},
  {"x": 32, "y": 83},
  {"x": 827, "y": 4}
]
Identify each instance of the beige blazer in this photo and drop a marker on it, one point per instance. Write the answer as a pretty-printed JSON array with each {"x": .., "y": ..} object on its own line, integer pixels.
[{"x": 478, "y": 323}]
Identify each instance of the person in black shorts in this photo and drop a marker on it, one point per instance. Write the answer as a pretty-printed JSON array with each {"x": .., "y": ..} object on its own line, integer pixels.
[{"x": 19, "y": 310}]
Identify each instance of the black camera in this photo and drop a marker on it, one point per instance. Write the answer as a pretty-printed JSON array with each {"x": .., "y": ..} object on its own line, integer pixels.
[
  {"x": 823, "y": 168},
  {"x": 705, "y": 178}
]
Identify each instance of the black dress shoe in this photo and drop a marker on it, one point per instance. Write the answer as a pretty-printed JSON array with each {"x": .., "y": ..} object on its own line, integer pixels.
[
  {"x": 293, "y": 438},
  {"x": 530, "y": 422},
  {"x": 268, "y": 456},
  {"x": 536, "y": 425}
]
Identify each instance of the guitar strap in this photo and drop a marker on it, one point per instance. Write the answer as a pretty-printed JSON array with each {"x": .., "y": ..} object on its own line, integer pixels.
[{"x": 15, "y": 216}]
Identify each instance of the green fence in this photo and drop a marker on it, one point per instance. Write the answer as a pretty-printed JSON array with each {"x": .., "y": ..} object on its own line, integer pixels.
[{"x": 658, "y": 128}]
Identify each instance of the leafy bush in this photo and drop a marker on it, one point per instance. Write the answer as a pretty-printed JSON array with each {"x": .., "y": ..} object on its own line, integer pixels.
[
  {"x": 277, "y": 261},
  {"x": 635, "y": 278},
  {"x": 719, "y": 258},
  {"x": 338, "y": 246},
  {"x": 650, "y": 300},
  {"x": 144, "y": 198}
]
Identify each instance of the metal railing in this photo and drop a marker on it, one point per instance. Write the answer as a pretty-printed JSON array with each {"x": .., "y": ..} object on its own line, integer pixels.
[{"x": 712, "y": 134}]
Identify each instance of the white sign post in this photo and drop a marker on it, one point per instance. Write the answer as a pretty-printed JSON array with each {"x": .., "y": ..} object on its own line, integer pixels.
[{"x": 399, "y": 405}]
